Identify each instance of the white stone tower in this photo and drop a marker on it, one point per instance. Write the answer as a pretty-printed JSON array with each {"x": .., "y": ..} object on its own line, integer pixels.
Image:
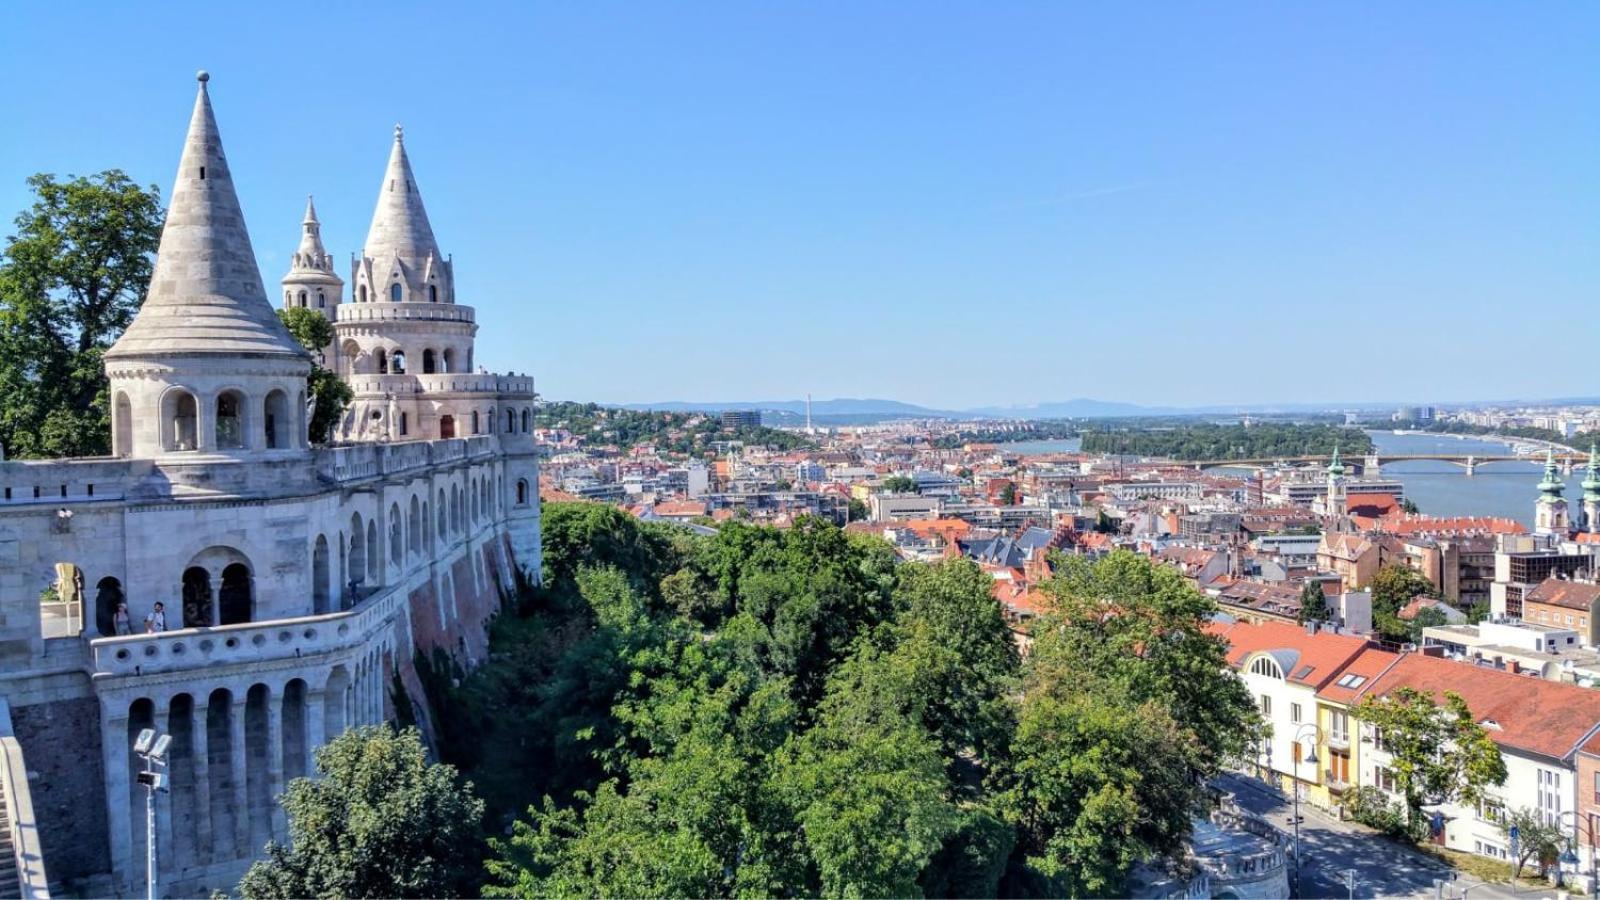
[
  {"x": 206, "y": 367},
  {"x": 311, "y": 283},
  {"x": 1550, "y": 516}
]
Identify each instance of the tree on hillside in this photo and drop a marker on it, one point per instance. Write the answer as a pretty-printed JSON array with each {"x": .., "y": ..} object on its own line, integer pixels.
[
  {"x": 1313, "y": 603},
  {"x": 314, "y": 332},
  {"x": 71, "y": 279},
  {"x": 380, "y": 821},
  {"x": 1440, "y": 753}
]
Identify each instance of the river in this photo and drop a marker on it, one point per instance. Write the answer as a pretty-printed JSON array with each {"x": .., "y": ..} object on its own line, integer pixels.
[{"x": 1504, "y": 489}]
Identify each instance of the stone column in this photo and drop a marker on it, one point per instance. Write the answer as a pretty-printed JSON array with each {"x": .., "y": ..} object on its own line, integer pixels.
[
  {"x": 316, "y": 727},
  {"x": 238, "y": 762},
  {"x": 115, "y": 753},
  {"x": 216, "y": 596},
  {"x": 205, "y": 842},
  {"x": 275, "y": 783},
  {"x": 205, "y": 419}
]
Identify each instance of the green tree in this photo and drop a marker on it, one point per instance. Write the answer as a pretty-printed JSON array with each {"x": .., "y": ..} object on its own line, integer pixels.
[
  {"x": 1313, "y": 603},
  {"x": 1409, "y": 507},
  {"x": 71, "y": 279},
  {"x": 858, "y": 511},
  {"x": 314, "y": 332},
  {"x": 379, "y": 822},
  {"x": 1008, "y": 495},
  {"x": 1440, "y": 754},
  {"x": 900, "y": 484},
  {"x": 1392, "y": 588},
  {"x": 1426, "y": 617},
  {"x": 1537, "y": 840}
]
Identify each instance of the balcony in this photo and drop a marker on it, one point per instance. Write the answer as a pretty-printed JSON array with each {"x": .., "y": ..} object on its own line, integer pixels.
[
  {"x": 1339, "y": 740},
  {"x": 1336, "y": 782},
  {"x": 248, "y": 643}
]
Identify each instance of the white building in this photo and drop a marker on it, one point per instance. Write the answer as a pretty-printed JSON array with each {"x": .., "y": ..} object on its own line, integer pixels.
[{"x": 297, "y": 580}]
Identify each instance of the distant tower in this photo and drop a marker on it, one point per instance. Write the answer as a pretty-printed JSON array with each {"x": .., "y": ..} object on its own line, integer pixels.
[
  {"x": 311, "y": 283},
  {"x": 1591, "y": 492},
  {"x": 1550, "y": 517},
  {"x": 808, "y": 414},
  {"x": 1337, "y": 502}
]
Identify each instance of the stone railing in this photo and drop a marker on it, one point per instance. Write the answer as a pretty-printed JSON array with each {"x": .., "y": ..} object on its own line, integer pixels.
[
  {"x": 250, "y": 642},
  {"x": 22, "y": 829},
  {"x": 403, "y": 312},
  {"x": 59, "y": 481},
  {"x": 359, "y": 462}
]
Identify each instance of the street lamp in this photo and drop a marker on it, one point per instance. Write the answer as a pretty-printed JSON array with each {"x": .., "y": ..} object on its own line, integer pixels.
[
  {"x": 153, "y": 750},
  {"x": 1569, "y": 856},
  {"x": 1311, "y": 757}
]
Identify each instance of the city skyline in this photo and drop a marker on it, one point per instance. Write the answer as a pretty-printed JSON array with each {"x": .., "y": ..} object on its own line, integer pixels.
[{"x": 830, "y": 203}]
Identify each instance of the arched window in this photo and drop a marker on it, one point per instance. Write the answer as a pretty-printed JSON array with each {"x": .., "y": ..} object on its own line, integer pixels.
[
  {"x": 522, "y": 492},
  {"x": 525, "y": 420},
  {"x": 394, "y": 292},
  {"x": 236, "y": 600},
  {"x": 1264, "y": 665},
  {"x": 358, "y": 551},
  {"x": 319, "y": 576},
  {"x": 107, "y": 598},
  {"x": 414, "y": 525},
  {"x": 181, "y": 414},
  {"x": 396, "y": 540},
  {"x": 302, "y": 299},
  {"x": 427, "y": 361},
  {"x": 374, "y": 558},
  {"x": 474, "y": 421},
  {"x": 322, "y": 300},
  {"x": 288, "y": 298},
  {"x": 230, "y": 421},
  {"x": 363, "y": 293},
  {"x": 276, "y": 420},
  {"x": 122, "y": 426},
  {"x": 382, "y": 359},
  {"x": 444, "y": 526},
  {"x": 447, "y": 427},
  {"x": 397, "y": 363},
  {"x": 449, "y": 360},
  {"x": 433, "y": 293},
  {"x": 511, "y": 421},
  {"x": 196, "y": 598}
]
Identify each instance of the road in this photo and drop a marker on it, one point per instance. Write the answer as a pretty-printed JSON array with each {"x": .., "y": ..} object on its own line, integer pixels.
[{"x": 1383, "y": 868}]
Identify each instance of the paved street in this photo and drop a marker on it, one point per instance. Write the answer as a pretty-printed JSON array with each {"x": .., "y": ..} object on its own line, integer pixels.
[{"x": 1383, "y": 868}]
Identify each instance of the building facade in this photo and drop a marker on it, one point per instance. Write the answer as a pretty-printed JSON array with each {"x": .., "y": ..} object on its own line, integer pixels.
[{"x": 297, "y": 579}]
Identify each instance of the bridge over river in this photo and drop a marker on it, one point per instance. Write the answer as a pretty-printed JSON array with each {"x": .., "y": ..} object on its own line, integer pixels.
[{"x": 1370, "y": 463}]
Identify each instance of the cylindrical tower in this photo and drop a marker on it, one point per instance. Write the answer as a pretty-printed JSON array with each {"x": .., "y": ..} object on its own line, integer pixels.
[{"x": 311, "y": 283}]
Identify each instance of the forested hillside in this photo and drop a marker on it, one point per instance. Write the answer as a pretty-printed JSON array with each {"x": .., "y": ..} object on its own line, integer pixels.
[{"x": 681, "y": 432}]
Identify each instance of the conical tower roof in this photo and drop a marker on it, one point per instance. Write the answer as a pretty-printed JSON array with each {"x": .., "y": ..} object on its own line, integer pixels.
[
  {"x": 400, "y": 223},
  {"x": 311, "y": 257},
  {"x": 1552, "y": 486},
  {"x": 205, "y": 295}
]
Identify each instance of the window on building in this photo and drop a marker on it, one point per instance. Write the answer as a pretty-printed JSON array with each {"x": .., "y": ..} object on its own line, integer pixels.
[
  {"x": 322, "y": 300},
  {"x": 433, "y": 293},
  {"x": 1491, "y": 810},
  {"x": 61, "y": 603},
  {"x": 1339, "y": 725},
  {"x": 1294, "y": 713},
  {"x": 394, "y": 292},
  {"x": 1266, "y": 706},
  {"x": 1549, "y": 784},
  {"x": 1384, "y": 778},
  {"x": 302, "y": 299},
  {"x": 405, "y": 423},
  {"x": 363, "y": 293}
]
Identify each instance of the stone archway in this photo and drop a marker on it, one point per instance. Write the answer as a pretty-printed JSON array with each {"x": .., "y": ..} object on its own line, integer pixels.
[{"x": 237, "y": 598}]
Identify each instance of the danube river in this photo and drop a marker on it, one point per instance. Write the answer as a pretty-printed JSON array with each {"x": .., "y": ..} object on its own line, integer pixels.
[{"x": 1438, "y": 488}]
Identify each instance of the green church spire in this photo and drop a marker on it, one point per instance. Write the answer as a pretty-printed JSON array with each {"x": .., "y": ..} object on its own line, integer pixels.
[
  {"x": 1335, "y": 467},
  {"x": 1551, "y": 487},
  {"x": 1591, "y": 481}
]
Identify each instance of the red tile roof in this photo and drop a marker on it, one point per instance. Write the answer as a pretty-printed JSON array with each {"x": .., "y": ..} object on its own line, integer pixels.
[
  {"x": 1325, "y": 653},
  {"x": 1359, "y": 674},
  {"x": 1568, "y": 594},
  {"x": 1551, "y": 718}
]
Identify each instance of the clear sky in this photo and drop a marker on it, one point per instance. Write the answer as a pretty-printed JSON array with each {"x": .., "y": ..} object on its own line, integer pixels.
[{"x": 985, "y": 203}]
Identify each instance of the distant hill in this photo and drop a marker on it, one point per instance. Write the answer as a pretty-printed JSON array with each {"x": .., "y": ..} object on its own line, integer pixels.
[{"x": 843, "y": 406}]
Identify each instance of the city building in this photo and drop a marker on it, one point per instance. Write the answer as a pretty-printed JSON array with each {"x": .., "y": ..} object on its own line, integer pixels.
[{"x": 741, "y": 418}]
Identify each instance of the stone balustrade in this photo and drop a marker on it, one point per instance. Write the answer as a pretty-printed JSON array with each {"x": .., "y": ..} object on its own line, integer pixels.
[
  {"x": 57, "y": 481},
  {"x": 403, "y": 312},
  {"x": 359, "y": 462},
  {"x": 441, "y": 383},
  {"x": 251, "y": 642}
]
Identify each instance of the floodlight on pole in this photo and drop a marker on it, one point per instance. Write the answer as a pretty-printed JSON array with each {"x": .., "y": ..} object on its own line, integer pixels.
[
  {"x": 153, "y": 750},
  {"x": 159, "y": 751},
  {"x": 141, "y": 744}
]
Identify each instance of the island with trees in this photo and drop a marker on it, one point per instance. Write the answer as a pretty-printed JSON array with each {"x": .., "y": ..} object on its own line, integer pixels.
[{"x": 1208, "y": 441}]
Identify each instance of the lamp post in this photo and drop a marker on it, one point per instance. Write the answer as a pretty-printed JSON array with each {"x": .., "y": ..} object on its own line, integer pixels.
[
  {"x": 1569, "y": 856},
  {"x": 1294, "y": 787},
  {"x": 153, "y": 750}
]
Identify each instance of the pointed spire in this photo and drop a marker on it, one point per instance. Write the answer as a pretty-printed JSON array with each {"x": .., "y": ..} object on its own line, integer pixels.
[
  {"x": 1551, "y": 487},
  {"x": 1591, "y": 480},
  {"x": 1335, "y": 466},
  {"x": 205, "y": 293},
  {"x": 311, "y": 255},
  {"x": 400, "y": 224},
  {"x": 311, "y": 212}
]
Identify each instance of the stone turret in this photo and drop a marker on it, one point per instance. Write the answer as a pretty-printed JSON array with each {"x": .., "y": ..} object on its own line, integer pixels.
[
  {"x": 401, "y": 262},
  {"x": 1550, "y": 516},
  {"x": 206, "y": 366},
  {"x": 311, "y": 283}
]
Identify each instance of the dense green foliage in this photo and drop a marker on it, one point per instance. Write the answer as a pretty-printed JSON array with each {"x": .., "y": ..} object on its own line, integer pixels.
[
  {"x": 900, "y": 484},
  {"x": 1036, "y": 431},
  {"x": 680, "y": 432},
  {"x": 314, "y": 332},
  {"x": 1439, "y": 752},
  {"x": 1210, "y": 441},
  {"x": 1538, "y": 839},
  {"x": 379, "y": 822},
  {"x": 71, "y": 279},
  {"x": 1529, "y": 432},
  {"x": 792, "y": 712},
  {"x": 1313, "y": 603},
  {"x": 1392, "y": 588}
]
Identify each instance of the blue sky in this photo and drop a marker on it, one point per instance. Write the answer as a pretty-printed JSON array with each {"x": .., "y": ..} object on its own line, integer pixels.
[{"x": 951, "y": 204}]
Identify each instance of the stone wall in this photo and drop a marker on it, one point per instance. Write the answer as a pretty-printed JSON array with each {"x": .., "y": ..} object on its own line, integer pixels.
[{"x": 61, "y": 744}]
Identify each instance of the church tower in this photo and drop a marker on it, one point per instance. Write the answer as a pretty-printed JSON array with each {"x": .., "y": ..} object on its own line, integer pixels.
[
  {"x": 206, "y": 367},
  {"x": 1550, "y": 517},
  {"x": 1337, "y": 502},
  {"x": 311, "y": 283},
  {"x": 1591, "y": 492}
]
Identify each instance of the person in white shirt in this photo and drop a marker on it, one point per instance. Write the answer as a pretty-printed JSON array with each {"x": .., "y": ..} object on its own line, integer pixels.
[{"x": 157, "y": 620}]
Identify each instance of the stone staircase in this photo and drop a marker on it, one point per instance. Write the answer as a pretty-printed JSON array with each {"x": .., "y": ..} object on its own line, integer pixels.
[{"x": 10, "y": 878}]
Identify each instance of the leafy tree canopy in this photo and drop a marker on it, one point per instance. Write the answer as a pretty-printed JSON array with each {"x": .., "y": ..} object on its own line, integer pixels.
[{"x": 1440, "y": 752}]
